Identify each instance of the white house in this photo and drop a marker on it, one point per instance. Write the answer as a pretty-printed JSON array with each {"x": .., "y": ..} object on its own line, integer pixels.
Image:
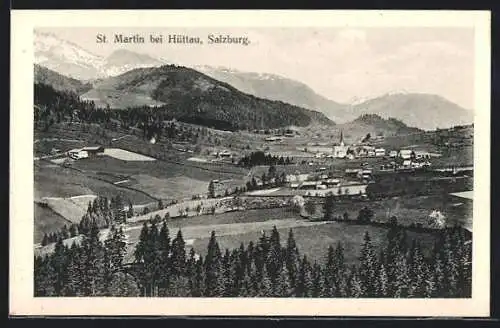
[
  {"x": 422, "y": 154},
  {"x": 78, "y": 154},
  {"x": 393, "y": 153},
  {"x": 297, "y": 177},
  {"x": 406, "y": 163},
  {"x": 405, "y": 154},
  {"x": 379, "y": 152}
]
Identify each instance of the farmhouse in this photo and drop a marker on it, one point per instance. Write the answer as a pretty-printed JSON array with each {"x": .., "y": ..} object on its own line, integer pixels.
[
  {"x": 406, "y": 164},
  {"x": 365, "y": 151},
  {"x": 309, "y": 185},
  {"x": 379, "y": 152},
  {"x": 225, "y": 153},
  {"x": 297, "y": 177},
  {"x": 332, "y": 182},
  {"x": 77, "y": 154},
  {"x": 406, "y": 154},
  {"x": 271, "y": 139},
  {"x": 93, "y": 151},
  {"x": 393, "y": 153},
  {"x": 422, "y": 154}
]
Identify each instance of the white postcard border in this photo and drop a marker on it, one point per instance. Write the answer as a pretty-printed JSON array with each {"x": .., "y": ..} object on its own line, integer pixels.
[{"x": 22, "y": 301}]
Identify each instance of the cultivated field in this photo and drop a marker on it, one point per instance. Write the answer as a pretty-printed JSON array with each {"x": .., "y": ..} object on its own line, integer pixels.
[
  {"x": 178, "y": 187},
  {"x": 64, "y": 182},
  {"x": 71, "y": 208},
  {"x": 126, "y": 155}
]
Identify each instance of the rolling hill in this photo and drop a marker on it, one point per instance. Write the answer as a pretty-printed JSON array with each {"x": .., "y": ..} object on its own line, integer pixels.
[
  {"x": 189, "y": 95},
  {"x": 59, "y": 82},
  {"x": 375, "y": 126},
  {"x": 425, "y": 111}
]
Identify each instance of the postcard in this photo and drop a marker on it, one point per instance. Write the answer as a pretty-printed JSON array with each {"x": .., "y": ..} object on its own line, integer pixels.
[{"x": 263, "y": 163}]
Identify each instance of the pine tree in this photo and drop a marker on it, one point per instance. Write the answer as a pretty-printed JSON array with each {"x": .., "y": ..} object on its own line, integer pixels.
[
  {"x": 329, "y": 274},
  {"x": 283, "y": 287},
  {"x": 213, "y": 269},
  {"x": 93, "y": 263},
  {"x": 164, "y": 248},
  {"x": 368, "y": 267},
  {"x": 116, "y": 248},
  {"x": 197, "y": 281},
  {"x": 178, "y": 259},
  {"x": 265, "y": 286},
  {"x": 417, "y": 272},
  {"x": 450, "y": 265},
  {"x": 400, "y": 282},
  {"x": 382, "y": 282},
  {"x": 304, "y": 279},
  {"x": 75, "y": 269},
  {"x": 340, "y": 277},
  {"x": 73, "y": 230},
  {"x": 291, "y": 258},
  {"x": 139, "y": 254},
  {"x": 317, "y": 285},
  {"x": 44, "y": 277},
  {"x": 328, "y": 207},
  {"x": 123, "y": 285},
  {"x": 275, "y": 256},
  {"x": 261, "y": 252},
  {"x": 59, "y": 262},
  {"x": 130, "y": 212},
  {"x": 45, "y": 240},
  {"x": 252, "y": 280},
  {"x": 355, "y": 287}
]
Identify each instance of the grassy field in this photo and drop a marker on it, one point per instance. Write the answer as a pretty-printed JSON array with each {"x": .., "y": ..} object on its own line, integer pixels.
[
  {"x": 161, "y": 179},
  {"x": 407, "y": 210},
  {"x": 56, "y": 181},
  {"x": 72, "y": 209},
  {"x": 46, "y": 221},
  {"x": 314, "y": 240}
]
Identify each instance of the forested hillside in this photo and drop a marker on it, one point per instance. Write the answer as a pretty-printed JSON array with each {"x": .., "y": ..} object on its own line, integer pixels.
[{"x": 191, "y": 96}]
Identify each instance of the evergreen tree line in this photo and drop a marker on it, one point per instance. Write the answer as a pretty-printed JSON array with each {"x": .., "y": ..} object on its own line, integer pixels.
[
  {"x": 87, "y": 268},
  {"x": 162, "y": 267},
  {"x": 54, "y": 106},
  {"x": 260, "y": 158},
  {"x": 104, "y": 211}
]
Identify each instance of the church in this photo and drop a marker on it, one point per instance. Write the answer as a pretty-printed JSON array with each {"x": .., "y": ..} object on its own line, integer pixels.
[{"x": 340, "y": 150}]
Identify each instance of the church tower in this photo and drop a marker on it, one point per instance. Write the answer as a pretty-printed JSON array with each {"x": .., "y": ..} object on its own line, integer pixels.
[{"x": 342, "y": 138}]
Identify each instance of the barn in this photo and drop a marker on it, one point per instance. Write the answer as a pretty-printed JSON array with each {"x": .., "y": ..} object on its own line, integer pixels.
[{"x": 94, "y": 150}]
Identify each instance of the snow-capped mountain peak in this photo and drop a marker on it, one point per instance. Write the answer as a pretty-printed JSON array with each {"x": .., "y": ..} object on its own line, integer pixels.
[{"x": 69, "y": 59}]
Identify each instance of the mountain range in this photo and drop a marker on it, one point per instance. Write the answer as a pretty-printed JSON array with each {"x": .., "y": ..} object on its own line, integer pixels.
[
  {"x": 69, "y": 59},
  {"x": 425, "y": 111}
]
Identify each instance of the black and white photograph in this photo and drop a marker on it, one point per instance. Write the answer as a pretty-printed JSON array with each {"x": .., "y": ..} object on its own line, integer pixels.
[{"x": 311, "y": 162}]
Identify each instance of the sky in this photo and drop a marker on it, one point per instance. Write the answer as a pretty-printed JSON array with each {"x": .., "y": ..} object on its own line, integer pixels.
[{"x": 342, "y": 64}]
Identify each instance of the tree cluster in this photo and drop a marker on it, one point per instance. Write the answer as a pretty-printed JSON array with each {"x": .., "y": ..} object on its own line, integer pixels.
[
  {"x": 89, "y": 267},
  {"x": 260, "y": 158},
  {"x": 398, "y": 268}
]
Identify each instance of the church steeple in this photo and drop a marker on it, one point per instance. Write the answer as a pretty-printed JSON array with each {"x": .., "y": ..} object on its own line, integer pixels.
[{"x": 342, "y": 138}]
